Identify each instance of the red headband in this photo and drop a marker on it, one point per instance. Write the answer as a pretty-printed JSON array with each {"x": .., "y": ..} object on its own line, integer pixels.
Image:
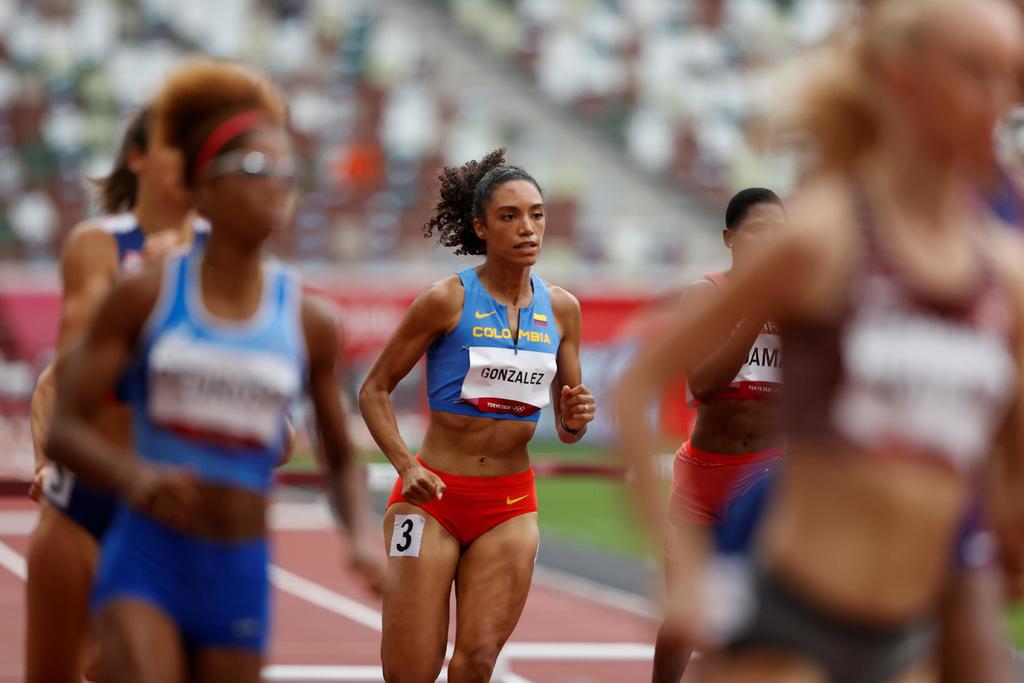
[{"x": 226, "y": 131}]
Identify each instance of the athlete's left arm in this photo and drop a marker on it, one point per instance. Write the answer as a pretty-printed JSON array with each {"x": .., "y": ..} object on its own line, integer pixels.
[
  {"x": 572, "y": 402},
  {"x": 1006, "y": 474},
  {"x": 41, "y": 412},
  {"x": 346, "y": 477}
]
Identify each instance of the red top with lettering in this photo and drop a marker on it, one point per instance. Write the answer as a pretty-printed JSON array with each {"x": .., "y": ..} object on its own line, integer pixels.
[{"x": 760, "y": 376}]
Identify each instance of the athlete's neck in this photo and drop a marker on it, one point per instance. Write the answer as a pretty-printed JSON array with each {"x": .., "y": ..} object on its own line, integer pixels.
[
  {"x": 156, "y": 215},
  {"x": 231, "y": 271},
  {"x": 922, "y": 181},
  {"x": 509, "y": 285}
]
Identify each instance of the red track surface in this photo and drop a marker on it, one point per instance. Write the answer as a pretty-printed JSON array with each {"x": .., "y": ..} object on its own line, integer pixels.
[{"x": 306, "y": 633}]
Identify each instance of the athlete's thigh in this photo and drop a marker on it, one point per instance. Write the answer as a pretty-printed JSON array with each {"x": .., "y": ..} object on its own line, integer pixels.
[
  {"x": 213, "y": 665},
  {"x": 422, "y": 557},
  {"x": 973, "y": 645},
  {"x": 493, "y": 583},
  {"x": 61, "y": 561},
  {"x": 927, "y": 672},
  {"x": 762, "y": 667},
  {"x": 139, "y": 644}
]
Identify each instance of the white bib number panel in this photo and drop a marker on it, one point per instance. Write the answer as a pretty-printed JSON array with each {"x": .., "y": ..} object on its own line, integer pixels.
[{"x": 503, "y": 380}]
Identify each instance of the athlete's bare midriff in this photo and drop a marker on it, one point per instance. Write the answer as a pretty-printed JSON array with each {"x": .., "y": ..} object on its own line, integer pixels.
[
  {"x": 836, "y": 505},
  {"x": 476, "y": 446},
  {"x": 738, "y": 427},
  {"x": 228, "y": 513}
]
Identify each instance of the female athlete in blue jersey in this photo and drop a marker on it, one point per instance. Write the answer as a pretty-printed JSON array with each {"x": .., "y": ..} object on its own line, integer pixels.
[
  {"x": 211, "y": 347},
  {"x": 147, "y": 212},
  {"x": 501, "y": 344}
]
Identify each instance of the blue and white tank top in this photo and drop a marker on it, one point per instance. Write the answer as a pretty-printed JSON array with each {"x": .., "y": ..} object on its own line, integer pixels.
[
  {"x": 480, "y": 370},
  {"x": 130, "y": 238},
  {"x": 211, "y": 394}
]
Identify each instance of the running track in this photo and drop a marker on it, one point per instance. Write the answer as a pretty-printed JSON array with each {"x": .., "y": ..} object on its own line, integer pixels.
[{"x": 327, "y": 629}]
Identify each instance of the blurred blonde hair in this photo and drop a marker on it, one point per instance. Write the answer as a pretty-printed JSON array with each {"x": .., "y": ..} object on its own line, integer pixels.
[{"x": 840, "y": 107}]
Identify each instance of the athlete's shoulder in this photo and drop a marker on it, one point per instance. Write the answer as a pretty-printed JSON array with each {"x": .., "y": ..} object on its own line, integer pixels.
[
  {"x": 702, "y": 288},
  {"x": 563, "y": 301},
  {"x": 321, "y": 323},
  {"x": 567, "y": 311},
  {"x": 820, "y": 217},
  {"x": 806, "y": 265},
  {"x": 89, "y": 246},
  {"x": 447, "y": 295},
  {"x": 88, "y": 234},
  {"x": 1005, "y": 248}
]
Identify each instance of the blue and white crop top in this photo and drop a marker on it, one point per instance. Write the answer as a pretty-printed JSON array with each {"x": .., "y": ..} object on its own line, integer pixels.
[
  {"x": 211, "y": 394},
  {"x": 479, "y": 370},
  {"x": 130, "y": 238}
]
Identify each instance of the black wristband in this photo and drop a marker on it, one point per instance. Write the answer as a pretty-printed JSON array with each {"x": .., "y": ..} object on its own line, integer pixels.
[{"x": 561, "y": 422}]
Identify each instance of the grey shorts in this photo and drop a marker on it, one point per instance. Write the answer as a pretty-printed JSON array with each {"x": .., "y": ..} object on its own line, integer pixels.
[{"x": 847, "y": 651}]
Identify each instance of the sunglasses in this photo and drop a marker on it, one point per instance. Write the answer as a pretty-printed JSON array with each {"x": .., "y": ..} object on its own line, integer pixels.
[{"x": 253, "y": 164}]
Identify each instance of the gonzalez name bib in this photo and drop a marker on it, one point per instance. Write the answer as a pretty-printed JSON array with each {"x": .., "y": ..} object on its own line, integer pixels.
[{"x": 502, "y": 380}]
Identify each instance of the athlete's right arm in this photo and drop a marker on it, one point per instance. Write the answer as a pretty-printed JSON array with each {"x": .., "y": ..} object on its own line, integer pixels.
[
  {"x": 714, "y": 373},
  {"x": 40, "y": 414},
  {"x": 88, "y": 374},
  {"x": 434, "y": 313},
  {"x": 772, "y": 286},
  {"x": 88, "y": 264}
]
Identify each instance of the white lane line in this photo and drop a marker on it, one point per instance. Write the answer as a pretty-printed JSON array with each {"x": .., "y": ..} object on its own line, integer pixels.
[
  {"x": 13, "y": 562},
  {"x": 302, "y": 674},
  {"x": 584, "y": 652},
  {"x": 354, "y": 674},
  {"x": 325, "y": 598},
  {"x": 17, "y": 522},
  {"x": 592, "y": 591},
  {"x": 312, "y": 516}
]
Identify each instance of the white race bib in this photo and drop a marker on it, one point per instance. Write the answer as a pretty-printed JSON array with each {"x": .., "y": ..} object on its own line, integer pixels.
[
  {"x": 764, "y": 361},
  {"x": 407, "y": 536},
  {"x": 231, "y": 394},
  {"x": 502, "y": 380},
  {"x": 925, "y": 381},
  {"x": 57, "y": 484}
]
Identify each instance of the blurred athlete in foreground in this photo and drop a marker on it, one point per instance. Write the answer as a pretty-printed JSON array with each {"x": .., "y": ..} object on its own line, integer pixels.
[
  {"x": 148, "y": 212},
  {"x": 900, "y": 305},
  {"x": 213, "y": 346}
]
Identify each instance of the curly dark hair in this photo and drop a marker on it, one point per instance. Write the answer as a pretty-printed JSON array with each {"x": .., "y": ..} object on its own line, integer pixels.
[{"x": 465, "y": 190}]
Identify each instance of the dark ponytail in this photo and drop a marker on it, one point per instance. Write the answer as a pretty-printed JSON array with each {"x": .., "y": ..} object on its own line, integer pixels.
[{"x": 119, "y": 190}]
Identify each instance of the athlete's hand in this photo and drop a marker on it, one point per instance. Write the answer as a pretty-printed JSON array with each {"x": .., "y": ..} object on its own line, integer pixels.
[
  {"x": 578, "y": 407},
  {"x": 170, "y": 495},
  {"x": 366, "y": 561},
  {"x": 420, "y": 485},
  {"x": 35, "y": 489},
  {"x": 160, "y": 244}
]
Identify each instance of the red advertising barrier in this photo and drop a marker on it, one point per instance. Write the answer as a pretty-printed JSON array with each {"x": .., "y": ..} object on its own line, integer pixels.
[{"x": 613, "y": 325}]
